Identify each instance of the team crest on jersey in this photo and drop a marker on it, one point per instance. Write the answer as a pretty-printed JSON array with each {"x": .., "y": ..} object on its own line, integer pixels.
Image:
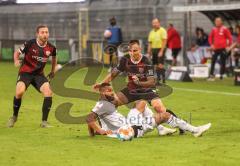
[{"x": 48, "y": 53}]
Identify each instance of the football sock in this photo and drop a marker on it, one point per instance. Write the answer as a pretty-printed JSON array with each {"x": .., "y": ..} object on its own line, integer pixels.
[
  {"x": 176, "y": 122},
  {"x": 162, "y": 72},
  {"x": 158, "y": 74},
  {"x": 47, "y": 103},
  {"x": 16, "y": 106},
  {"x": 172, "y": 113}
]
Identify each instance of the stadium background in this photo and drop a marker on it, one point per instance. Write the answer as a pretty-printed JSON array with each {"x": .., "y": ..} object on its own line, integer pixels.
[{"x": 77, "y": 24}]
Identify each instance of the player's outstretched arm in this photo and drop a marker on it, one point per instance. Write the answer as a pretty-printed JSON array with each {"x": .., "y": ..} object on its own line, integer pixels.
[
  {"x": 54, "y": 64},
  {"x": 107, "y": 79},
  {"x": 53, "y": 69},
  {"x": 16, "y": 56},
  {"x": 92, "y": 125}
]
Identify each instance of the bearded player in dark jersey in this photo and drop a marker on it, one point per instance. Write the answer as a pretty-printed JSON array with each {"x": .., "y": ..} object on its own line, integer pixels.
[
  {"x": 140, "y": 82},
  {"x": 37, "y": 52}
]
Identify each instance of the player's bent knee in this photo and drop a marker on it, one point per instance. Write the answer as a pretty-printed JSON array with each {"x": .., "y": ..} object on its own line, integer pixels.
[
  {"x": 140, "y": 105},
  {"x": 158, "y": 105},
  {"x": 19, "y": 94},
  {"x": 20, "y": 89},
  {"x": 46, "y": 90},
  {"x": 47, "y": 93}
]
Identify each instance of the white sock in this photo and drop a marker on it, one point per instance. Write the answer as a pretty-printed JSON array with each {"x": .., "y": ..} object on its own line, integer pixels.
[{"x": 176, "y": 122}]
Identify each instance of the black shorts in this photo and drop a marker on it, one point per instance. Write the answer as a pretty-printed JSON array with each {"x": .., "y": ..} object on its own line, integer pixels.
[
  {"x": 36, "y": 80},
  {"x": 155, "y": 58},
  {"x": 175, "y": 52},
  {"x": 135, "y": 95}
]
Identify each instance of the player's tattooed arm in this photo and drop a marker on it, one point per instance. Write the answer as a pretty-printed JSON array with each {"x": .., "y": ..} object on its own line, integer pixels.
[
  {"x": 54, "y": 64},
  {"x": 111, "y": 76},
  {"x": 93, "y": 126},
  {"x": 146, "y": 84},
  {"x": 53, "y": 69},
  {"x": 17, "y": 61},
  {"x": 108, "y": 78}
]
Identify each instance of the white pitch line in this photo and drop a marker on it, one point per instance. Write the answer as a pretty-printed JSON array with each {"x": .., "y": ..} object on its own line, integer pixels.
[{"x": 207, "y": 91}]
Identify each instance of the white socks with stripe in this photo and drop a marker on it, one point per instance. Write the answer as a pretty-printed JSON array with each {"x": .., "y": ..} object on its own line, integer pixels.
[{"x": 176, "y": 122}]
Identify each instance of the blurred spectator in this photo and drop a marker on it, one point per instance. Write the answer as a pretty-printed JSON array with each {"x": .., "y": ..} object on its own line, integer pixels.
[
  {"x": 235, "y": 48},
  {"x": 173, "y": 43},
  {"x": 201, "y": 38},
  {"x": 234, "y": 34},
  {"x": 220, "y": 38},
  {"x": 114, "y": 37}
]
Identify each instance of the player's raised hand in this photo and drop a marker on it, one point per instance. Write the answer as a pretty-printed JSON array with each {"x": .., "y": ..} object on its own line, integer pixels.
[
  {"x": 17, "y": 63},
  {"x": 96, "y": 86}
]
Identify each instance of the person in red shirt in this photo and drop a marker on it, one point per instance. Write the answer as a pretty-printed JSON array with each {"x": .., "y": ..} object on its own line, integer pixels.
[
  {"x": 36, "y": 54},
  {"x": 174, "y": 43},
  {"x": 219, "y": 39},
  {"x": 235, "y": 47}
]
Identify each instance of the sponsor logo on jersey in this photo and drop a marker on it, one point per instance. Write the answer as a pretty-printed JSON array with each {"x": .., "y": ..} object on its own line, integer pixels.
[{"x": 40, "y": 59}]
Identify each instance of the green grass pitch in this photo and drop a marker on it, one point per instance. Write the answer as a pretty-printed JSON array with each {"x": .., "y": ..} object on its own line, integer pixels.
[{"x": 69, "y": 145}]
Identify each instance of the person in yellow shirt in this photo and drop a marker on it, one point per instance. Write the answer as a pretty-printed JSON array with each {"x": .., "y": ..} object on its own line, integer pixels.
[{"x": 157, "y": 40}]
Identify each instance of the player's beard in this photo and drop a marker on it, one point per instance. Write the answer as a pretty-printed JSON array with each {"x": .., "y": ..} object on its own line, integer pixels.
[
  {"x": 109, "y": 98},
  {"x": 43, "y": 40}
]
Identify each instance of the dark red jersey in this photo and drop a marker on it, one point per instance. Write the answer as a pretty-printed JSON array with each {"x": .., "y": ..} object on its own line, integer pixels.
[
  {"x": 141, "y": 69},
  {"x": 35, "y": 57}
]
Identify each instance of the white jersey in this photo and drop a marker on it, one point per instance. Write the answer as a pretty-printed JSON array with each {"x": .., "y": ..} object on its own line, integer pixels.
[
  {"x": 109, "y": 117},
  {"x": 112, "y": 120}
]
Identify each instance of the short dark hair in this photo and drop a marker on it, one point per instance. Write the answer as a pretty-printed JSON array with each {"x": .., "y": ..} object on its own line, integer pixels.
[
  {"x": 132, "y": 42},
  {"x": 112, "y": 21},
  {"x": 103, "y": 85},
  {"x": 218, "y": 17},
  {"x": 40, "y": 26}
]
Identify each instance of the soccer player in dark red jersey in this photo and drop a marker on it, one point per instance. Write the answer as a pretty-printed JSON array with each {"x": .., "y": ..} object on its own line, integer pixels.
[
  {"x": 37, "y": 52},
  {"x": 140, "y": 78}
]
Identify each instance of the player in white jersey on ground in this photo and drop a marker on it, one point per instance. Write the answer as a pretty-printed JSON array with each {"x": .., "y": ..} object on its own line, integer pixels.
[{"x": 140, "y": 118}]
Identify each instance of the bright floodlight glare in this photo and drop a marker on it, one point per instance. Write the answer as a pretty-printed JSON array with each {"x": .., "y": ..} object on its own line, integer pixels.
[{"x": 47, "y": 1}]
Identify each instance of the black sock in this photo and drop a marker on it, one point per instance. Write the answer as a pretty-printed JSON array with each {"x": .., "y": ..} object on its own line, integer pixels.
[
  {"x": 16, "y": 106},
  {"x": 172, "y": 113},
  {"x": 162, "y": 72},
  {"x": 47, "y": 103},
  {"x": 158, "y": 74}
]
